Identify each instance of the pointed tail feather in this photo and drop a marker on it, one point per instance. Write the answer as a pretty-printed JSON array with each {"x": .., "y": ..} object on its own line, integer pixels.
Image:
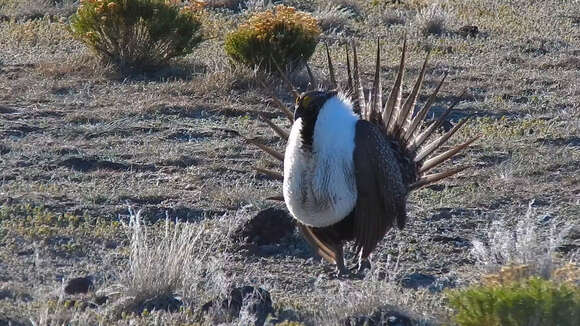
[
  {"x": 274, "y": 153},
  {"x": 285, "y": 79},
  {"x": 434, "y": 161},
  {"x": 348, "y": 71},
  {"x": 331, "y": 68},
  {"x": 279, "y": 103},
  {"x": 403, "y": 121},
  {"x": 279, "y": 131},
  {"x": 358, "y": 87},
  {"x": 432, "y": 178},
  {"x": 433, "y": 146},
  {"x": 423, "y": 136},
  {"x": 376, "y": 101},
  {"x": 276, "y": 198},
  {"x": 321, "y": 248},
  {"x": 311, "y": 76},
  {"x": 422, "y": 113},
  {"x": 394, "y": 102},
  {"x": 270, "y": 173}
]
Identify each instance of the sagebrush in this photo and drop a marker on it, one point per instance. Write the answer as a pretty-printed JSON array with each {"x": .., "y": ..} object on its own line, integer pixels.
[
  {"x": 282, "y": 36},
  {"x": 529, "y": 301},
  {"x": 137, "y": 34}
]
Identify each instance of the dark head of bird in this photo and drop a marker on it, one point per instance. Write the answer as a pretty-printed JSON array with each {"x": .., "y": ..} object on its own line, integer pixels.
[{"x": 307, "y": 107}]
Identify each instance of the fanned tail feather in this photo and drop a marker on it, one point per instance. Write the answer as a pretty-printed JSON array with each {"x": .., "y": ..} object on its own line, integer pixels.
[
  {"x": 393, "y": 104},
  {"x": 311, "y": 76},
  {"x": 376, "y": 98},
  {"x": 331, "y": 72},
  {"x": 394, "y": 116},
  {"x": 359, "y": 99}
]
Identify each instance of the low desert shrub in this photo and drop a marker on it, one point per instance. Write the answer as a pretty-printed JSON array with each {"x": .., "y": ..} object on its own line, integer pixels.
[
  {"x": 164, "y": 260},
  {"x": 282, "y": 35},
  {"x": 138, "y": 34},
  {"x": 333, "y": 18},
  {"x": 529, "y": 242},
  {"x": 433, "y": 20},
  {"x": 507, "y": 299}
]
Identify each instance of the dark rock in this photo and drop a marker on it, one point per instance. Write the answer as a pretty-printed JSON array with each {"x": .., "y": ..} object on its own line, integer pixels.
[
  {"x": 79, "y": 285},
  {"x": 268, "y": 227},
  {"x": 468, "y": 30},
  {"x": 11, "y": 322},
  {"x": 25, "y": 252},
  {"x": 101, "y": 300},
  {"x": 4, "y": 149},
  {"x": 281, "y": 316},
  {"x": 383, "y": 316},
  {"x": 417, "y": 280},
  {"x": 456, "y": 241},
  {"x": 167, "y": 303},
  {"x": 257, "y": 301},
  {"x": 442, "y": 283}
]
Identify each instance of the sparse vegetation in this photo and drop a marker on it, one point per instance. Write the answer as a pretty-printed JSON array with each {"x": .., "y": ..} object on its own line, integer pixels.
[
  {"x": 80, "y": 142},
  {"x": 137, "y": 34},
  {"x": 282, "y": 36},
  {"x": 433, "y": 20},
  {"x": 333, "y": 18},
  {"x": 162, "y": 271}
]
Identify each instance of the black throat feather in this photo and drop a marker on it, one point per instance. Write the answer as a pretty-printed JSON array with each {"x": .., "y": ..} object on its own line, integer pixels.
[{"x": 308, "y": 106}]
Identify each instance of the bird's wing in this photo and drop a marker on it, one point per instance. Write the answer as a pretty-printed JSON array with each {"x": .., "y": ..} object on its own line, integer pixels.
[{"x": 381, "y": 191}]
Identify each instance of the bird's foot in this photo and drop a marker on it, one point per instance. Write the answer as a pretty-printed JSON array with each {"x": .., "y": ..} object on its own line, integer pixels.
[
  {"x": 361, "y": 268},
  {"x": 342, "y": 272}
]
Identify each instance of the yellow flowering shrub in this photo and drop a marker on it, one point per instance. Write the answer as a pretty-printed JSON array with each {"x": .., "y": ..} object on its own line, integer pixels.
[
  {"x": 282, "y": 34},
  {"x": 138, "y": 34}
]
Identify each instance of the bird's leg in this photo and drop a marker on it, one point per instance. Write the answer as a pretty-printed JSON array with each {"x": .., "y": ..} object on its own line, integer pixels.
[
  {"x": 341, "y": 270},
  {"x": 364, "y": 263}
]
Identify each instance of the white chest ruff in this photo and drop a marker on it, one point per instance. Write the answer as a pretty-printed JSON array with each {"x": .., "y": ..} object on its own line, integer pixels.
[{"x": 320, "y": 186}]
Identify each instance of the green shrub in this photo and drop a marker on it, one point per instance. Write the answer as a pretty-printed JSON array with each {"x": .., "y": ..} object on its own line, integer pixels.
[
  {"x": 137, "y": 34},
  {"x": 283, "y": 34},
  {"x": 525, "y": 302}
]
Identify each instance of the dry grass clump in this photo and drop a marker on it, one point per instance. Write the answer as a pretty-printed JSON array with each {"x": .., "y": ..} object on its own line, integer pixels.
[
  {"x": 394, "y": 17},
  {"x": 355, "y": 7},
  {"x": 433, "y": 20},
  {"x": 521, "y": 244},
  {"x": 163, "y": 271},
  {"x": 225, "y": 4},
  {"x": 333, "y": 18},
  {"x": 34, "y": 9}
]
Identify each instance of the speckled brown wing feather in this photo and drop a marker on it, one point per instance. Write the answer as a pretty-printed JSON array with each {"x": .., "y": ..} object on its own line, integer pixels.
[{"x": 381, "y": 191}]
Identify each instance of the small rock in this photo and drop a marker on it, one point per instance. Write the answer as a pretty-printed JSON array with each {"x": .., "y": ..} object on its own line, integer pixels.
[
  {"x": 382, "y": 316},
  {"x": 468, "y": 30},
  {"x": 25, "y": 252},
  {"x": 101, "y": 300},
  {"x": 161, "y": 303},
  {"x": 417, "y": 280},
  {"x": 260, "y": 304},
  {"x": 79, "y": 285},
  {"x": 287, "y": 315},
  {"x": 268, "y": 227}
]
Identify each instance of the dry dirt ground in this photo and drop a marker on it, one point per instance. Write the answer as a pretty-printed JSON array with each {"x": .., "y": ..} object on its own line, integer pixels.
[{"x": 82, "y": 145}]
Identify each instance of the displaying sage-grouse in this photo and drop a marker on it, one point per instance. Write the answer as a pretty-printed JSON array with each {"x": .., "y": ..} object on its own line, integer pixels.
[{"x": 351, "y": 161}]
